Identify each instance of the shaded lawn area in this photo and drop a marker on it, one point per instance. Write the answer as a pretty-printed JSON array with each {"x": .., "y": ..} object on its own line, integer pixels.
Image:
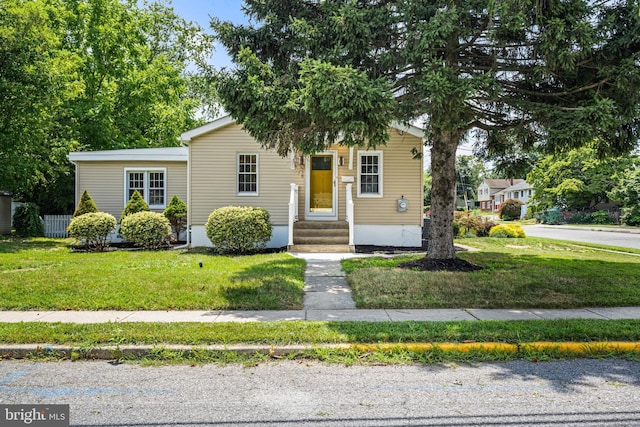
[
  {"x": 519, "y": 273},
  {"x": 45, "y": 274}
]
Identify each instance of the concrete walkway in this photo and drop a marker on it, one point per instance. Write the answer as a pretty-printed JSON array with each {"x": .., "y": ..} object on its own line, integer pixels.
[{"x": 327, "y": 297}]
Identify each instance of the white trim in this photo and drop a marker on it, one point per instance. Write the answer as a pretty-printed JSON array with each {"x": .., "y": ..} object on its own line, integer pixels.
[
  {"x": 146, "y": 171},
  {"x": 209, "y": 127},
  {"x": 321, "y": 216},
  {"x": 380, "y": 155},
  {"x": 167, "y": 154},
  {"x": 388, "y": 235},
  {"x": 410, "y": 129},
  {"x": 247, "y": 193},
  {"x": 227, "y": 120}
]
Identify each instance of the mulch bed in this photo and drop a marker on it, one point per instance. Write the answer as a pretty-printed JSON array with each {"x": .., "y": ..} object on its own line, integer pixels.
[{"x": 422, "y": 264}]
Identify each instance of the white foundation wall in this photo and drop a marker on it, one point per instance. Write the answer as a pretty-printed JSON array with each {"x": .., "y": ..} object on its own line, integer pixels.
[
  {"x": 279, "y": 236},
  {"x": 388, "y": 235}
]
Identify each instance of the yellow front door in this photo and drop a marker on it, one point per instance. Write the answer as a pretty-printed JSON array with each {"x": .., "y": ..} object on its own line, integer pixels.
[{"x": 321, "y": 183}]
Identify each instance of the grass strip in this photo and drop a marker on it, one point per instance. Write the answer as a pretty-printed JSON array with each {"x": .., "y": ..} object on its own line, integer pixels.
[{"x": 305, "y": 332}]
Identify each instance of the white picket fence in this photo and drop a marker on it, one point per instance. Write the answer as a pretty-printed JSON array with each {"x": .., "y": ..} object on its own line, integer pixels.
[{"x": 56, "y": 225}]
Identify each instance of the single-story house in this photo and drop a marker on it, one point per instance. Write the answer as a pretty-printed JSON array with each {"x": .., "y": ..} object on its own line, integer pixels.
[
  {"x": 491, "y": 195},
  {"x": 342, "y": 196}
]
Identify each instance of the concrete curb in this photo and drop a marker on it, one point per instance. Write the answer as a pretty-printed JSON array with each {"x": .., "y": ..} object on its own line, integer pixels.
[{"x": 23, "y": 351}]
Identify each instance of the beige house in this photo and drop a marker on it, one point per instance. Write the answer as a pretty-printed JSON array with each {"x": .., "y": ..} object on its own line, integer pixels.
[
  {"x": 341, "y": 197},
  {"x": 112, "y": 176}
]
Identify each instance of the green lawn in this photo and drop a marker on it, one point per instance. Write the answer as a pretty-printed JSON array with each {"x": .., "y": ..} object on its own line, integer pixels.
[
  {"x": 519, "y": 273},
  {"x": 45, "y": 274}
]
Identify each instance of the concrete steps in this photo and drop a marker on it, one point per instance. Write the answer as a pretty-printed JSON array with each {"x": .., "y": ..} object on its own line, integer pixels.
[{"x": 321, "y": 236}]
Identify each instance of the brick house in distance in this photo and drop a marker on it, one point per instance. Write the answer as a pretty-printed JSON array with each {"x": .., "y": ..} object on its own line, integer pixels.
[{"x": 492, "y": 192}]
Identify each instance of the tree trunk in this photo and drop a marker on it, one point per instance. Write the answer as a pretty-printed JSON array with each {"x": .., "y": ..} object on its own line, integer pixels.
[{"x": 443, "y": 195}]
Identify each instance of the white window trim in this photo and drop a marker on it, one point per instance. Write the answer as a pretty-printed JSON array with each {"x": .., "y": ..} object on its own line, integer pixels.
[
  {"x": 146, "y": 185},
  {"x": 378, "y": 195},
  {"x": 248, "y": 193}
]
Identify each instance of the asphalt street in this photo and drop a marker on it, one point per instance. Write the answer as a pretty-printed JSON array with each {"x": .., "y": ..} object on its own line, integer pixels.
[
  {"x": 585, "y": 234},
  {"x": 301, "y": 393}
]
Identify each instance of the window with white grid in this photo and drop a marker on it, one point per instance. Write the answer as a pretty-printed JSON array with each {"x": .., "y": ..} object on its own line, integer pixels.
[
  {"x": 370, "y": 174},
  {"x": 247, "y": 174},
  {"x": 151, "y": 184}
]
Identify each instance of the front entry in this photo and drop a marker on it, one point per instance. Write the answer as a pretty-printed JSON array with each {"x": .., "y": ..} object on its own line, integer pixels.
[{"x": 321, "y": 197}]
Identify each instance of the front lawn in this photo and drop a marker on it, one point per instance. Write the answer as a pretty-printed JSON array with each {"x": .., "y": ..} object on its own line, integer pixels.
[
  {"x": 519, "y": 273},
  {"x": 45, "y": 274}
]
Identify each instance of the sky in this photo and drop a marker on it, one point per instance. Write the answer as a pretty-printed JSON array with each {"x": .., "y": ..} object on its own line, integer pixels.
[{"x": 201, "y": 11}]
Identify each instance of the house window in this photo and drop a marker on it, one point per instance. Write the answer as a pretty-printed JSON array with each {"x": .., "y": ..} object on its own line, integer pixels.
[
  {"x": 370, "y": 174},
  {"x": 151, "y": 184},
  {"x": 247, "y": 174}
]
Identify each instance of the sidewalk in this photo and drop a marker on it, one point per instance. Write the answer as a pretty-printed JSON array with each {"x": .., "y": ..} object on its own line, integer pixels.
[{"x": 339, "y": 315}]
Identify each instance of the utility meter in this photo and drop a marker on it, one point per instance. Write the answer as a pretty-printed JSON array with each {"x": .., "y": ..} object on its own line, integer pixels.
[{"x": 402, "y": 204}]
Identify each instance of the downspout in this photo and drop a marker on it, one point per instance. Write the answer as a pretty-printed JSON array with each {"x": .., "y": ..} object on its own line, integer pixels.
[{"x": 188, "y": 229}]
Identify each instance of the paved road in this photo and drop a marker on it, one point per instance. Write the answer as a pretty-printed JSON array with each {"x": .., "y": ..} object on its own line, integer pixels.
[
  {"x": 292, "y": 393},
  {"x": 627, "y": 240}
]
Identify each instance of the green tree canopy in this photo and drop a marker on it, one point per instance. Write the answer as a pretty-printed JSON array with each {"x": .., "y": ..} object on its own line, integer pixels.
[
  {"x": 548, "y": 73},
  {"x": 92, "y": 75},
  {"x": 577, "y": 180}
]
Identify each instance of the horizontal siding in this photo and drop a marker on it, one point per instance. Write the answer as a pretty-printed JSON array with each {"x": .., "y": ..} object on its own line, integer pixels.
[
  {"x": 213, "y": 175},
  {"x": 105, "y": 182},
  {"x": 213, "y": 179},
  {"x": 402, "y": 176}
]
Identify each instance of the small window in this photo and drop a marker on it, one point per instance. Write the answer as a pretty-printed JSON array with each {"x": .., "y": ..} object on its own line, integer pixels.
[
  {"x": 370, "y": 174},
  {"x": 248, "y": 174},
  {"x": 151, "y": 185}
]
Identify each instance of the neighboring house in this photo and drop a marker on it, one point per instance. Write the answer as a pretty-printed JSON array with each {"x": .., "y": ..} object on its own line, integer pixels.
[
  {"x": 521, "y": 191},
  {"x": 491, "y": 192},
  {"x": 112, "y": 176},
  {"x": 346, "y": 196}
]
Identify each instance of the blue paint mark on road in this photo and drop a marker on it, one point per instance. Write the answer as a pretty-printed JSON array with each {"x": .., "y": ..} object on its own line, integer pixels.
[{"x": 53, "y": 392}]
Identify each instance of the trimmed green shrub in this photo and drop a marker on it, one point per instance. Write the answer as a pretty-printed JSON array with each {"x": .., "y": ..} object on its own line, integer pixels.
[
  {"x": 580, "y": 218},
  {"x": 86, "y": 205},
  {"x": 631, "y": 216},
  {"x": 507, "y": 230},
  {"x": 176, "y": 213},
  {"x": 511, "y": 209},
  {"x": 92, "y": 229},
  {"x": 483, "y": 228},
  {"x": 135, "y": 204},
  {"x": 239, "y": 230},
  {"x": 551, "y": 216},
  {"x": 26, "y": 221},
  {"x": 150, "y": 230},
  {"x": 467, "y": 221},
  {"x": 601, "y": 217}
]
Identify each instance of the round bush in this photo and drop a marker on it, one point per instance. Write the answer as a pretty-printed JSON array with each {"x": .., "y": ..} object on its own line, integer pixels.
[
  {"x": 631, "y": 216},
  {"x": 26, "y": 221},
  {"x": 239, "y": 230},
  {"x": 92, "y": 229},
  {"x": 601, "y": 217},
  {"x": 150, "y": 230},
  {"x": 507, "y": 230},
  {"x": 511, "y": 209}
]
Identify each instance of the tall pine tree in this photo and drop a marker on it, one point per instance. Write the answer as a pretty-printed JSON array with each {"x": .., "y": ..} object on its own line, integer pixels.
[{"x": 550, "y": 74}]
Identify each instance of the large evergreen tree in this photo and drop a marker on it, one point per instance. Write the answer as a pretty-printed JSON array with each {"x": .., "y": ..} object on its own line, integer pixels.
[{"x": 551, "y": 73}]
